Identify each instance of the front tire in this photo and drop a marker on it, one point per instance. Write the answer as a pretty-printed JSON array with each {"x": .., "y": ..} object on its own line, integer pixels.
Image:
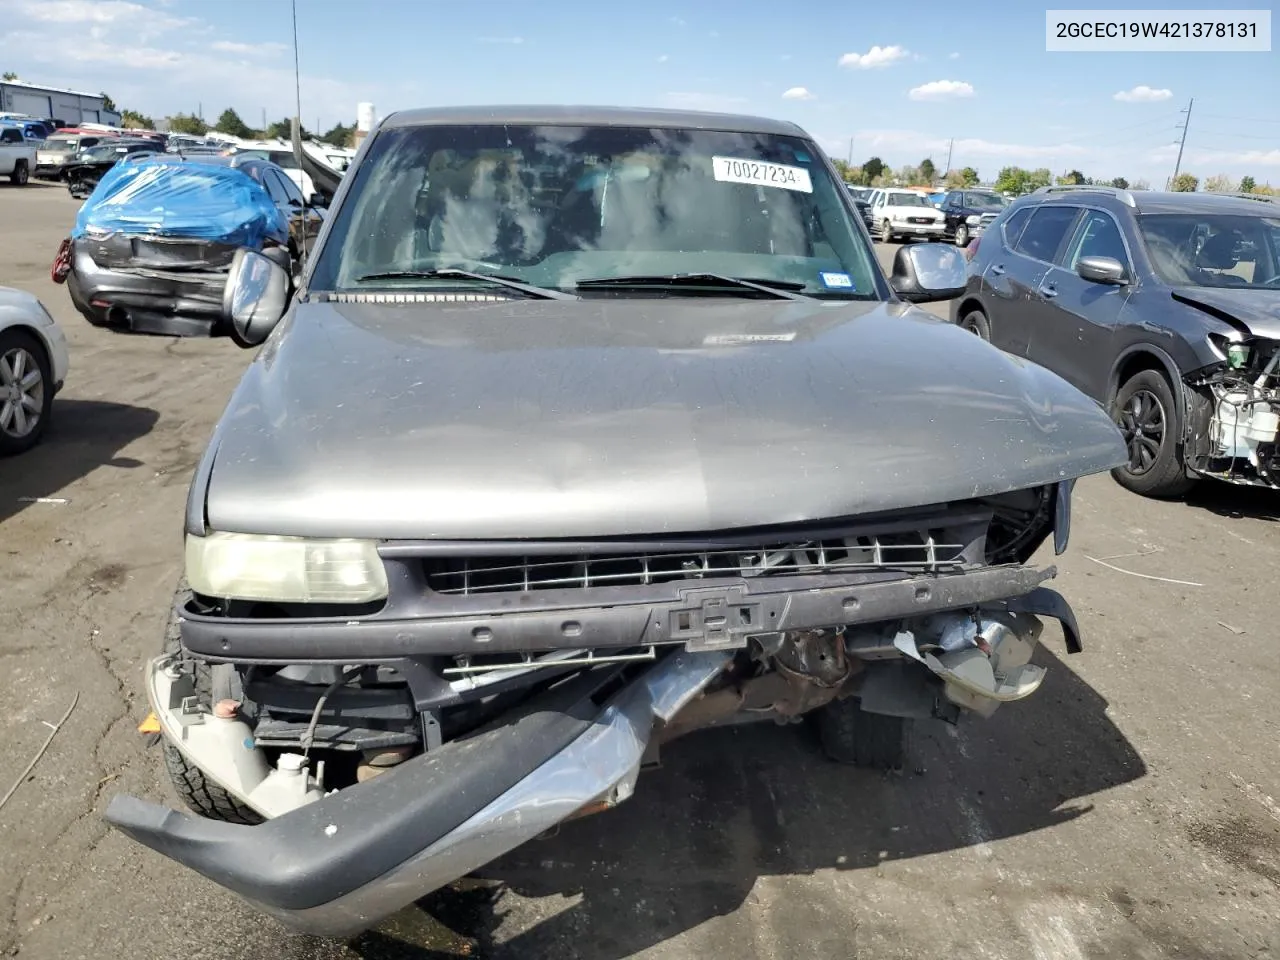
[
  {"x": 962, "y": 236},
  {"x": 886, "y": 232},
  {"x": 1147, "y": 415},
  {"x": 20, "y": 174},
  {"x": 850, "y": 735},
  {"x": 200, "y": 794}
]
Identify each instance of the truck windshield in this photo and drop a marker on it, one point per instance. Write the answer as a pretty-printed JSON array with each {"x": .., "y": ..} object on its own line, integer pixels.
[{"x": 551, "y": 205}]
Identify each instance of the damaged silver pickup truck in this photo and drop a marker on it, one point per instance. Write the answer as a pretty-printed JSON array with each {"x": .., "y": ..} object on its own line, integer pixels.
[{"x": 583, "y": 429}]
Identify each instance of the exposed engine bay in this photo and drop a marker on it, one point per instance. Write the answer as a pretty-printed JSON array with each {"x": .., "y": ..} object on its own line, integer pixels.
[{"x": 1235, "y": 416}]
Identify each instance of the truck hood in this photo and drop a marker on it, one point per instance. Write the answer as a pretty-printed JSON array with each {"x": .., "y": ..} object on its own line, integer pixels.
[
  {"x": 1257, "y": 309},
  {"x": 541, "y": 419}
]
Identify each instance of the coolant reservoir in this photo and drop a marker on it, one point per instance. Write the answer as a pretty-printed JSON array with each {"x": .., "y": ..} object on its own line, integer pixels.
[
  {"x": 1231, "y": 423},
  {"x": 289, "y": 785},
  {"x": 1263, "y": 424}
]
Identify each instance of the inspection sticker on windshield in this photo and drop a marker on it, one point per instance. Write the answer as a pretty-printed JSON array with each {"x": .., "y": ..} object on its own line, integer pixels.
[
  {"x": 842, "y": 280},
  {"x": 761, "y": 173}
]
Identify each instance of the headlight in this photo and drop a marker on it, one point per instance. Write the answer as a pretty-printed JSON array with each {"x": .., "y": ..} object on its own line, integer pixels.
[
  {"x": 285, "y": 569},
  {"x": 973, "y": 221}
]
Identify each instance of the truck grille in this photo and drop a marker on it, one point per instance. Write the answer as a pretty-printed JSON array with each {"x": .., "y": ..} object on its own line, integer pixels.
[
  {"x": 929, "y": 551},
  {"x": 920, "y": 220}
]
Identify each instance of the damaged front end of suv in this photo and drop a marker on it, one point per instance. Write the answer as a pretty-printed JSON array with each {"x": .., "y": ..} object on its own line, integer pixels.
[
  {"x": 497, "y": 513},
  {"x": 1233, "y": 421}
]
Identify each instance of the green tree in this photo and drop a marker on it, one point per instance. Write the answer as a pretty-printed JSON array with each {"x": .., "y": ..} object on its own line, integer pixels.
[
  {"x": 1120, "y": 183},
  {"x": 954, "y": 180},
  {"x": 1140, "y": 185},
  {"x": 909, "y": 175},
  {"x": 970, "y": 176},
  {"x": 136, "y": 121},
  {"x": 1012, "y": 180},
  {"x": 873, "y": 169},
  {"x": 928, "y": 172},
  {"x": 283, "y": 130},
  {"x": 229, "y": 122},
  {"x": 340, "y": 135},
  {"x": 1039, "y": 177},
  {"x": 1247, "y": 185},
  {"x": 1185, "y": 183},
  {"x": 1072, "y": 178},
  {"x": 107, "y": 103},
  {"x": 9, "y": 75},
  {"x": 188, "y": 123}
]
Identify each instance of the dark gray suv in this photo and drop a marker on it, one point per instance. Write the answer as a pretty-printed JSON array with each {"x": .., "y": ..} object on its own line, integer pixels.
[{"x": 1163, "y": 307}]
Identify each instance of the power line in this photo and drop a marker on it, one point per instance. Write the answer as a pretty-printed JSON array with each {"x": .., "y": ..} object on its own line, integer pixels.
[
  {"x": 1244, "y": 136},
  {"x": 1218, "y": 116}
]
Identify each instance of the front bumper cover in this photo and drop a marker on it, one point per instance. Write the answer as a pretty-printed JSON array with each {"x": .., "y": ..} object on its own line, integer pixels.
[
  {"x": 701, "y": 614},
  {"x": 343, "y": 863}
]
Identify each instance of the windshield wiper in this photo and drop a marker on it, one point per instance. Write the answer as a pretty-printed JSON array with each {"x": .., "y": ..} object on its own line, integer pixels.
[
  {"x": 447, "y": 273},
  {"x": 782, "y": 289}
]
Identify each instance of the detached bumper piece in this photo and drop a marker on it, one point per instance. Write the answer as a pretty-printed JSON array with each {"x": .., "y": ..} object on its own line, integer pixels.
[{"x": 343, "y": 862}]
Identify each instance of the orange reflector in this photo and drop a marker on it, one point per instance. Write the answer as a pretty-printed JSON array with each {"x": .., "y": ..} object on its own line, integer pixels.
[{"x": 150, "y": 725}]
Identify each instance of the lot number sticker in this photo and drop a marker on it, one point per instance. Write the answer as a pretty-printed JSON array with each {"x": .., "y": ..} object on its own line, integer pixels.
[{"x": 761, "y": 173}]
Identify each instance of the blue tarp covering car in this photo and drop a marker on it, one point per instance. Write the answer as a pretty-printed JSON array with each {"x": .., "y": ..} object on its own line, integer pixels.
[
  {"x": 153, "y": 242},
  {"x": 164, "y": 197}
]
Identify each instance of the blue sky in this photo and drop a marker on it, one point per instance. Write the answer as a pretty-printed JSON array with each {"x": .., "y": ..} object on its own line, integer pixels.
[{"x": 898, "y": 82}]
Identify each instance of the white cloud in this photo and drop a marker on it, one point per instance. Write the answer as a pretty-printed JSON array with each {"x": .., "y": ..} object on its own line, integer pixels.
[
  {"x": 679, "y": 22},
  {"x": 249, "y": 49},
  {"x": 511, "y": 40},
  {"x": 663, "y": 59},
  {"x": 941, "y": 90},
  {"x": 875, "y": 57},
  {"x": 1143, "y": 94},
  {"x": 797, "y": 93},
  {"x": 689, "y": 100},
  {"x": 953, "y": 56}
]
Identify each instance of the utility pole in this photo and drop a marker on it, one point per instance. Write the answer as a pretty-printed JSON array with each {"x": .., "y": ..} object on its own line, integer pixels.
[
  {"x": 951, "y": 144},
  {"x": 199, "y": 111},
  {"x": 264, "y": 121},
  {"x": 850, "y": 151},
  {"x": 1183, "y": 142}
]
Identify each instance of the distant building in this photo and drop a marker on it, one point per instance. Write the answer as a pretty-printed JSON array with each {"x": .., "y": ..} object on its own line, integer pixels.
[{"x": 69, "y": 107}]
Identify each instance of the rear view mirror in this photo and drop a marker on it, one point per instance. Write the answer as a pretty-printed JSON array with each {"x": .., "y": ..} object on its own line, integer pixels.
[
  {"x": 255, "y": 298},
  {"x": 928, "y": 272},
  {"x": 317, "y": 200},
  {"x": 1101, "y": 269}
]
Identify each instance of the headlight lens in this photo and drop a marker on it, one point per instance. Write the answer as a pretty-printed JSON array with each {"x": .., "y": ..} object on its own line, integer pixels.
[
  {"x": 285, "y": 569},
  {"x": 973, "y": 221}
]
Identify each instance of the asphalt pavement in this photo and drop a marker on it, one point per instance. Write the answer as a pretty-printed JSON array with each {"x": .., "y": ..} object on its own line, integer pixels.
[{"x": 1131, "y": 809}]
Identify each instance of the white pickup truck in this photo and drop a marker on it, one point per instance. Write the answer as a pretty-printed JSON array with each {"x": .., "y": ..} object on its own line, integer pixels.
[{"x": 17, "y": 155}]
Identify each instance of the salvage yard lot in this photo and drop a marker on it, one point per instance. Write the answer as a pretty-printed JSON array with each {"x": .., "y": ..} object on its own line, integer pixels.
[{"x": 1131, "y": 809}]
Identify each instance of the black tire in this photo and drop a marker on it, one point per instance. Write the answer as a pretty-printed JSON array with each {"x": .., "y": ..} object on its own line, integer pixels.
[
  {"x": 21, "y": 174},
  {"x": 962, "y": 235},
  {"x": 199, "y": 794},
  {"x": 976, "y": 322},
  {"x": 1148, "y": 416},
  {"x": 11, "y": 442},
  {"x": 886, "y": 232},
  {"x": 872, "y": 740}
]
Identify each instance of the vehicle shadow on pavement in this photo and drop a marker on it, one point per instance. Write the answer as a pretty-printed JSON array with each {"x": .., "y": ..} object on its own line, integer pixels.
[
  {"x": 735, "y": 804},
  {"x": 1235, "y": 501},
  {"x": 83, "y": 435}
]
